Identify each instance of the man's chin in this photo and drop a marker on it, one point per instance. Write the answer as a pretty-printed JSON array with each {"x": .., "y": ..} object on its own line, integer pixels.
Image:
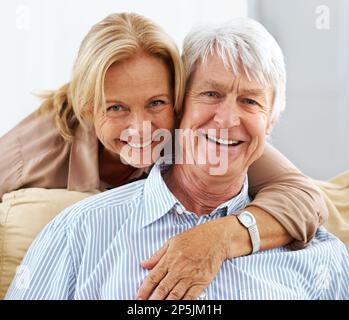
[{"x": 212, "y": 170}]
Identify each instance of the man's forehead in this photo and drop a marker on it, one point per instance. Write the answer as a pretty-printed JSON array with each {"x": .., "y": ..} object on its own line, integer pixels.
[
  {"x": 214, "y": 73},
  {"x": 242, "y": 84}
]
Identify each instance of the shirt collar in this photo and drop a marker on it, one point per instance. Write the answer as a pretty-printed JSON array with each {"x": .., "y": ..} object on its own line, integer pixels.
[
  {"x": 236, "y": 203},
  {"x": 159, "y": 200}
]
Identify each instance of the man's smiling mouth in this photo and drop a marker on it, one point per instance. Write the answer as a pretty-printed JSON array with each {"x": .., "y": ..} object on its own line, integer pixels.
[{"x": 223, "y": 141}]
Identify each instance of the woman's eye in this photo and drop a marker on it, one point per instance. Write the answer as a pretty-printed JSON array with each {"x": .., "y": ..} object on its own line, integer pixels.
[
  {"x": 250, "y": 102},
  {"x": 156, "y": 103},
  {"x": 115, "y": 108}
]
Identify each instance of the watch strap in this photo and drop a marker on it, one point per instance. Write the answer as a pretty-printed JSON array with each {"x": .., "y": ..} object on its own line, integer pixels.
[
  {"x": 255, "y": 238},
  {"x": 252, "y": 230}
]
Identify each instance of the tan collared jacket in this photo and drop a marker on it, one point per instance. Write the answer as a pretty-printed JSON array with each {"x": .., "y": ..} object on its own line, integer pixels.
[{"x": 33, "y": 154}]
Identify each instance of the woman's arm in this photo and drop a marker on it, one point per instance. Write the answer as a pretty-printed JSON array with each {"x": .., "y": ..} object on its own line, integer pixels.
[
  {"x": 238, "y": 243},
  {"x": 287, "y": 207},
  {"x": 282, "y": 191},
  {"x": 11, "y": 164}
]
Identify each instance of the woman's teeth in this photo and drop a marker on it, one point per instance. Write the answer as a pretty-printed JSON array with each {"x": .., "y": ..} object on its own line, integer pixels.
[{"x": 223, "y": 141}]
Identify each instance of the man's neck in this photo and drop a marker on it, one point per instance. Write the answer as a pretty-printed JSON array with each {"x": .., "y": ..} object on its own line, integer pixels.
[{"x": 200, "y": 192}]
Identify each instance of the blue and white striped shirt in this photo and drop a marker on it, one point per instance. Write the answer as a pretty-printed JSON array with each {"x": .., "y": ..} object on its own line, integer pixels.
[{"x": 93, "y": 250}]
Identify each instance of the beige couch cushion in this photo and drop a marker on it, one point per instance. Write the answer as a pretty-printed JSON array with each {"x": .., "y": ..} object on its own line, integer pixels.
[
  {"x": 23, "y": 214},
  {"x": 336, "y": 192}
]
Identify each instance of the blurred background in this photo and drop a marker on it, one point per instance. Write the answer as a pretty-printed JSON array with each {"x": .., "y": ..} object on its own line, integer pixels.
[{"x": 40, "y": 39}]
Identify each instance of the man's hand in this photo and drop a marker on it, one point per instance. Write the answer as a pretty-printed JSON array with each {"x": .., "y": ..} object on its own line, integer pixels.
[{"x": 186, "y": 264}]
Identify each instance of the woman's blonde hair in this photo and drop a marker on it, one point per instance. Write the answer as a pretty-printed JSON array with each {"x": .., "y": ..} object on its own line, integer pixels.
[{"x": 116, "y": 38}]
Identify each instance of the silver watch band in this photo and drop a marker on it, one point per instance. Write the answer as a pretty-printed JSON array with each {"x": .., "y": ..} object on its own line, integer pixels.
[
  {"x": 255, "y": 239},
  {"x": 247, "y": 219}
]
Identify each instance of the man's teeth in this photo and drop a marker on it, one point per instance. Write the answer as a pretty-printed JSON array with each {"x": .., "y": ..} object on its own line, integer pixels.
[
  {"x": 138, "y": 145},
  {"x": 223, "y": 141}
]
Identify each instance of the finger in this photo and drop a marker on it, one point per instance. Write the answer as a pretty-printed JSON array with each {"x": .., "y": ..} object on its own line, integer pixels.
[
  {"x": 163, "y": 289},
  {"x": 178, "y": 291},
  {"x": 155, "y": 258},
  {"x": 194, "y": 292},
  {"x": 150, "y": 283}
]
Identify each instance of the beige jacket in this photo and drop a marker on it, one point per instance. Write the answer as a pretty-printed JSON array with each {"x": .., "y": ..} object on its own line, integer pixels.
[{"x": 33, "y": 154}]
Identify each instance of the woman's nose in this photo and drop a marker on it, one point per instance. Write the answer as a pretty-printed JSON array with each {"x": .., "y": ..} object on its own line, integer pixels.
[
  {"x": 139, "y": 127},
  {"x": 137, "y": 122}
]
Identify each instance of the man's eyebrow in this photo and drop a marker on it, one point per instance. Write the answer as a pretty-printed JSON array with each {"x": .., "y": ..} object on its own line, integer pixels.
[
  {"x": 214, "y": 84},
  {"x": 254, "y": 92}
]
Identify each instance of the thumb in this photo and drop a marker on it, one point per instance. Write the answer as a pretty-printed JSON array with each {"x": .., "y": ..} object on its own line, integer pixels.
[{"x": 155, "y": 258}]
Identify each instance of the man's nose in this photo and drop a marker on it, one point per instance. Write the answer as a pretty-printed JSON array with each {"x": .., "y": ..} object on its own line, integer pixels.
[{"x": 228, "y": 114}]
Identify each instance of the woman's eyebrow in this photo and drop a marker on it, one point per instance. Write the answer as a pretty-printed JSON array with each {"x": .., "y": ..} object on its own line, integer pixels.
[
  {"x": 159, "y": 95},
  {"x": 114, "y": 100}
]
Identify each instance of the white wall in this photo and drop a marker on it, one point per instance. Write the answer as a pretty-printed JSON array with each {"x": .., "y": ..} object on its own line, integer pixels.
[
  {"x": 40, "y": 38},
  {"x": 314, "y": 130}
]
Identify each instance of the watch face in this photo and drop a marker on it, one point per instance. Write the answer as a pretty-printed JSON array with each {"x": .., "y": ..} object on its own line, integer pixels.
[{"x": 247, "y": 219}]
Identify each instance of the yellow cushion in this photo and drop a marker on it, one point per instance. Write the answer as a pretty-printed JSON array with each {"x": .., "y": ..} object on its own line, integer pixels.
[
  {"x": 23, "y": 214},
  {"x": 336, "y": 193}
]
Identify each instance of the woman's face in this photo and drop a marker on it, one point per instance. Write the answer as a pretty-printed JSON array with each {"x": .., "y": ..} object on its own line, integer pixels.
[{"x": 139, "y": 110}]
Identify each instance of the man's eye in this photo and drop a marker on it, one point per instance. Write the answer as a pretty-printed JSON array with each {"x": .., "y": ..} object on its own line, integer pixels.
[
  {"x": 250, "y": 102},
  {"x": 156, "y": 103},
  {"x": 115, "y": 108},
  {"x": 211, "y": 94}
]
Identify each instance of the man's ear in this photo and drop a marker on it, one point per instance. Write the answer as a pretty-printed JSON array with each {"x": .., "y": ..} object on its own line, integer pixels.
[{"x": 270, "y": 127}]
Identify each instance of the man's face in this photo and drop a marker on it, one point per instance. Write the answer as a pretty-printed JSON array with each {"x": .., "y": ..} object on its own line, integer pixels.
[{"x": 216, "y": 99}]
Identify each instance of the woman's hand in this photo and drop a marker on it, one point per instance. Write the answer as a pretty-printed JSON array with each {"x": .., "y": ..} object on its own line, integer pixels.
[{"x": 187, "y": 263}]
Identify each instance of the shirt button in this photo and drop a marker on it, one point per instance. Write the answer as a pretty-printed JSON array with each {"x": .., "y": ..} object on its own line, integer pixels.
[{"x": 179, "y": 210}]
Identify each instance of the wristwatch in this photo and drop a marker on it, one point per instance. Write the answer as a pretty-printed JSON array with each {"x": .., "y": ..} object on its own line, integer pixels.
[{"x": 249, "y": 222}]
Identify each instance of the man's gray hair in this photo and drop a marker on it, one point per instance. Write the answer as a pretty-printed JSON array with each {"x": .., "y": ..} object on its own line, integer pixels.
[{"x": 241, "y": 42}]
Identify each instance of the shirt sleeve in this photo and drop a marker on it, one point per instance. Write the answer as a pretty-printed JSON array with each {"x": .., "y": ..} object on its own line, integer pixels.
[
  {"x": 11, "y": 164},
  {"x": 47, "y": 271},
  {"x": 280, "y": 189}
]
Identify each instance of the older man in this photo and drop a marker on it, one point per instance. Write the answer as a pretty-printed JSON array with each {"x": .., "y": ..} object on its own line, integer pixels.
[{"x": 236, "y": 89}]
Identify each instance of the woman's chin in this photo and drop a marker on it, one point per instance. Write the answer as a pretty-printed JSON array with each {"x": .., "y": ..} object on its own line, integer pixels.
[
  {"x": 140, "y": 165},
  {"x": 140, "y": 158},
  {"x": 136, "y": 162}
]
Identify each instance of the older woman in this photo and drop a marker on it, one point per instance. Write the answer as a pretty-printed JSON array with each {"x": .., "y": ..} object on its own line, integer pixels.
[
  {"x": 93, "y": 249},
  {"x": 127, "y": 72}
]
